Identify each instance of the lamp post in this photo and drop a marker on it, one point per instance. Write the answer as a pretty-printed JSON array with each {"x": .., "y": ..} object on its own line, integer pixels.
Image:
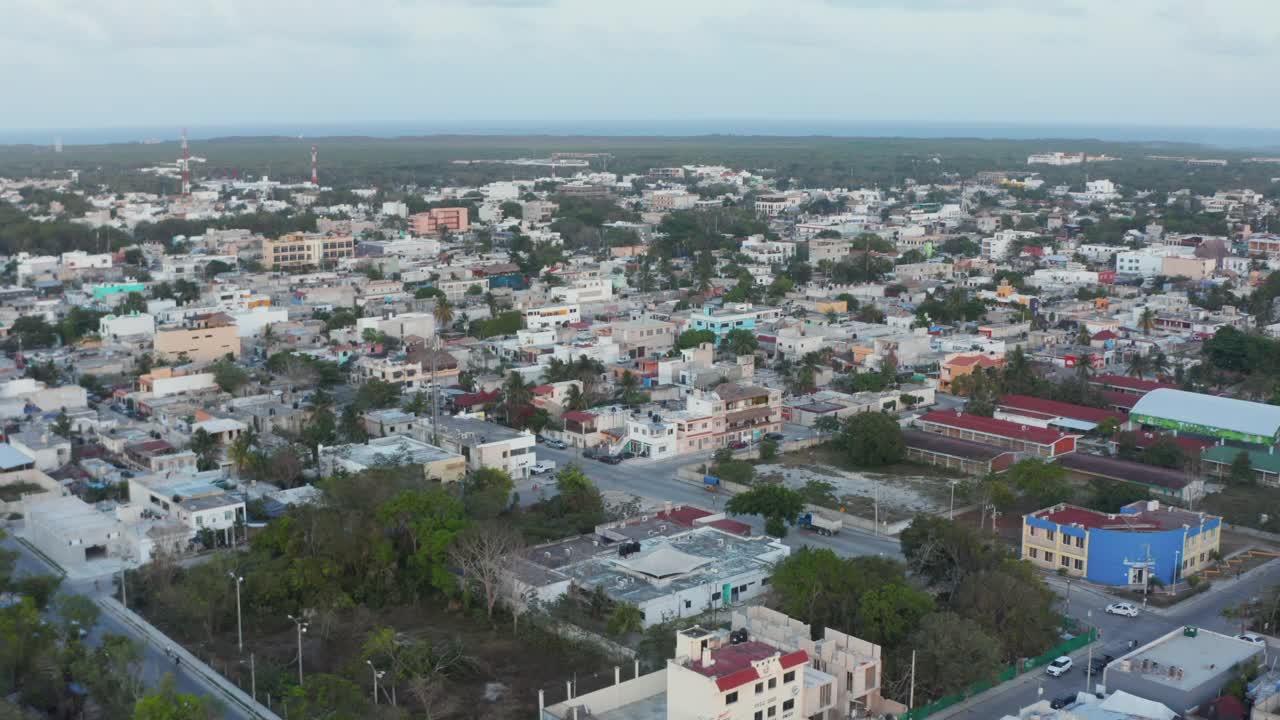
[
  {"x": 1088, "y": 670},
  {"x": 376, "y": 675},
  {"x": 302, "y": 627},
  {"x": 239, "y": 618},
  {"x": 952, "y": 514}
]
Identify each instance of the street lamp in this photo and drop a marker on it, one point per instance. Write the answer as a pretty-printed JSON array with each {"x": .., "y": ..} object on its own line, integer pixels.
[
  {"x": 302, "y": 627},
  {"x": 239, "y": 618},
  {"x": 376, "y": 675},
  {"x": 952, "y": 515}
]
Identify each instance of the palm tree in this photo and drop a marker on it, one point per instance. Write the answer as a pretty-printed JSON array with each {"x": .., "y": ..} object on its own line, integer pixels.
[
  {"x": 1138, "y": 365},
  {"x": 240, "y": 451},
  {"x": 1147, "y": 320},
  {"x": 516, "y": 396},
  {"x": 1083, "y": 336},
  {"x": 627, "y": 385},
  {"x": 575, "y": 398},
  {"x": 268, "y": 339},
  {"x": 443, "y": 312},
  {"x": 1158, "y": 363}
]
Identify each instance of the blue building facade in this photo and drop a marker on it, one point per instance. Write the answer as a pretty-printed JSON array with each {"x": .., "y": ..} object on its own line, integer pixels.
[{"x": 1144, "y": 540}]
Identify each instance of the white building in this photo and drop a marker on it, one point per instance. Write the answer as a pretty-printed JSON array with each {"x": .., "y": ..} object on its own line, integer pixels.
[
  {"x": 1149, "y": 261},
  {"x": 768, "y": 252},
  {"x": 483, "y": 444},
  {"x": 551, "y": 316},
  {"x": 114, "y": 327},
  {"x": 1000, "y": 245},
  {"x": 402, "y": 325},
  {"x": 81, "y": 260}
]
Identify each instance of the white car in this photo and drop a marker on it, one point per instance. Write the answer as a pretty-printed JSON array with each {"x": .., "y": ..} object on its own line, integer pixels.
[
  {"x": 1123, "y": 608},
  {"x": 1059, "y": 666},
  {"x": 1254, "y": 638},
  {"x": 541, "y": 468}
]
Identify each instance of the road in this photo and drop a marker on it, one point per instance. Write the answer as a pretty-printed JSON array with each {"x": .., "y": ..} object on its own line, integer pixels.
[
  {"x": 1204, "y": 610},
  {"x": 657, "y": 481},
  {"x": 155, "y": 664}
]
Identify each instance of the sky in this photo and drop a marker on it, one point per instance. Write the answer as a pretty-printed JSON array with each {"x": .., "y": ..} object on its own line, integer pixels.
[{"x": 536, "y": 63}]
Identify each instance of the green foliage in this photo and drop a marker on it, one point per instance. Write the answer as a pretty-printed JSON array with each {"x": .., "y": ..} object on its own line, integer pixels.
[
  {"x": 487, "y": 493},
  {"x": 1046, "y": 483},
  {"x": 694, "y": 338},
  {"x": 1110, "y": 495},
  {"x": 625, "y": 619},
  {"x": 229, "y": 376},
  {"x": 1241, "y": 469},
  {"x": 768, "y": 449},
  {"x": 768, "y": 501},
  {"x": 505, "y": 323},
  {"x": 740, "y": 342},
  {"x": 576, "y": 508},
  {"x": 20, "y": 233},
  {"x": 374, "y": 394},
  {"x": 872, "y": 439},
  {"x": 1013, "y": 604},
  {"x": 952, "y": 653},
  {"x": 944, "y": 553}
]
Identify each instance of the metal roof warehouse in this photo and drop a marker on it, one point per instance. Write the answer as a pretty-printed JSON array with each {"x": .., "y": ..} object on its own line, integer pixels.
[{"x": 1210, "y": 415}]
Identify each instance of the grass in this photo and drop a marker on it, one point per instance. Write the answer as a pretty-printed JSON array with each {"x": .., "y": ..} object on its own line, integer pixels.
[
  {"x": 14, "y": 491},
  {"x": 1254, "y": 506}
]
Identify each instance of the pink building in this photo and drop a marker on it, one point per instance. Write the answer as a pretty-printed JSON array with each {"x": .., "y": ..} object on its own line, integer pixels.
[{"x": 453, "y": 219}]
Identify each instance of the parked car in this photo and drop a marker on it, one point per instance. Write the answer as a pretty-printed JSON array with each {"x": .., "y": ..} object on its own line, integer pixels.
[
  {"x": 738, "y": 445},
  {"x": 775, "y": 436},
  {"x": 610, "y": 459},
  {"x": 1059, "y": 666},
  {"x": 1062, "y": 701},
  {"x": 1254, "y": 638},
  {"x": 1099, "y": 663},
  {"x": 542, "y": 467},
  {"x": 1123, "y": 608},
  {"x": 628, "y": 455},
  {"x": 539, "y": 439},
  {"x": 557, "y": 444}
]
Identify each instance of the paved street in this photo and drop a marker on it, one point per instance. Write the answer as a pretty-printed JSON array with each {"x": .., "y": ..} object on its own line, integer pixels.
[
  {"x": 1204, "y": 610},
  {"x": 657, "y": 480},
  {"x": 155, "y": 663}
]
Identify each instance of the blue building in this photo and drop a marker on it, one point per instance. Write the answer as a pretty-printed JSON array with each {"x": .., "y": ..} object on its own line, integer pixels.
[
  {"x": 1145, "y": 539},
  {"x": 740, "y": 316}
]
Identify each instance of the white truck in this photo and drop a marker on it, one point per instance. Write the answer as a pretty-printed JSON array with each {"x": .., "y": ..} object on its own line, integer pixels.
[
  {"x": 816, "y": 523},
  {"x": 542, "y": 467}
]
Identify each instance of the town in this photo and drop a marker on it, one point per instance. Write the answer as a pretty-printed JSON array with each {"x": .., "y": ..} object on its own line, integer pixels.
[{"x": 570, "y": 435}]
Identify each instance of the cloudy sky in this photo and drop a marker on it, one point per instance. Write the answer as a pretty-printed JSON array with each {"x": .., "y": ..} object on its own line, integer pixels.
[{"x": 93, "y": 63}]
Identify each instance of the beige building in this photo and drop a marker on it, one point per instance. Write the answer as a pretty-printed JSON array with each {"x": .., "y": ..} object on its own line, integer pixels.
[
  {"x": 300, "y": 250},
  {"x": 645, "y": 337},
  {"x": 437, "y": 464},
  {"x": 204, "y": 338}
]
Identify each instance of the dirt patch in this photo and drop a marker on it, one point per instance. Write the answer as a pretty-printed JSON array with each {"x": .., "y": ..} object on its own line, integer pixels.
[{"x": 901, "y": 491}]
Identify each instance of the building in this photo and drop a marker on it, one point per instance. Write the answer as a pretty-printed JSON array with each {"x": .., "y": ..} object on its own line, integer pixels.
[
  {"x": 1216, "y": 462},
  {"x": 970, "y": 458},
  {"x": 960, "y": 364},
  {"x": 114, "y": 327},
  {"x": 644, "y": 338},
  {"x": 749, "y": 412},
  {"x": 1185, "y": 669},
  {"x": 483, "y": 444},
  {"x": 408, "y": 374},
  {"x": 197, "y": 505},
  {"x": 1209, "y": 415},
  {"x": 738, "y": 316},
  {"x": 47, "y": 450},
  {"x": 1144, "y": 540},
  {"x": 1065, "y": 416},
  {"x": 71, "y": 531},
  {"x": 1165, "y": 484},
  {"x": 551, "y": 316},
  {"x": 766, "y": 667},
  {"x": 303, "y": 250},
  {"x": 436, "y": 220},
  {"x": 437, "y": 464},
  {"x": 201, "y": 339},
  {"x": 1040, "y": 442},
  {"x": 1056, "y": 158}
]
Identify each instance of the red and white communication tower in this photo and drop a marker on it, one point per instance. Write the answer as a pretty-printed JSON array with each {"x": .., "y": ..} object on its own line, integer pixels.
[
  {"x": 315, "y": 179},
  {"x": 186, "y": 165}
]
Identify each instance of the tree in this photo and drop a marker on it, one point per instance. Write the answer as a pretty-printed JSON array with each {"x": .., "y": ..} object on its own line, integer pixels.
[
  {"x": 827, "y": 424},
  {"x": 1046, "y": 483},
  {"x": 205, "y": 446},
  {"x": 627, "y": 388},
  {"x": 694, "y": 338},
  {"x": 166, "y": 703},
  {"x": 443, "y": 312},
  {"x": 62, "y": 426},
  {"x": 1241, "y": 469},
  {"x": 943, "y": 552},
  {"x": 484, "y": 554},
  {"x": 79, "y": 615},
  {"x": 487, "y": 492},
  {"x": 1013, "y": 604},
  {"x": 1164, "y": 452},
  {"x": 768, "y": 501},
  {"x": 229, "y": 376},
  {"x": 1147, "y": 320},
  {"x": 516, "y": 396},
  {"x": 625, "y": 619},
  {"x": 376, "y": 393},
  {"x": 872, "y": 439},
  {"x": 740, "y": 342},
  {"x": 1109, "y": 496},
  {"x": 576, "y": 490},
  {"x": 1138, "y": 365},
  {"x": 887, "y": 614},
  {"x": 952, "y": 652},
  {"x": 768, "y": 449},
  {"x": 425, "y": 524}
]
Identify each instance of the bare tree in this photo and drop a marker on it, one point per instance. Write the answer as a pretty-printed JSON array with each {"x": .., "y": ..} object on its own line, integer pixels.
[{"x": 484, "y": 553}]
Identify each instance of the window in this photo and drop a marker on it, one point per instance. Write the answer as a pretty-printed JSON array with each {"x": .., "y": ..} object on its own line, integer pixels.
[
  {"x": 688, "y": 604},
  {"x": 773, "y": 683},
  {"x": 731, "y": 698},
  {"x": 759, "y": 715},
  {"x": 1049, "y": 534},
  {"x": 1032, "y": 553},
  {"x": 788, "y": 704},
  {"x": 1079, "y": 564},
  {"x": 759, "y": 688},
  {"x": 790, "y": 676},
  {"x": 1048, "y": 557},
  {"x": 1066, "y": 561},
  {"x": 773, "y": 710},
  {"x": 1033, "y": 531},
  {"x": 1079, "y": 541},
  {"x": 764, "y": 581}
]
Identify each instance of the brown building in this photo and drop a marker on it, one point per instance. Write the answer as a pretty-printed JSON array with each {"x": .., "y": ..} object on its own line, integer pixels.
[
  {"x": 204, "y": 338},
  {"x": 452, "y": 219},
  {"x": 300, "y": 250}
]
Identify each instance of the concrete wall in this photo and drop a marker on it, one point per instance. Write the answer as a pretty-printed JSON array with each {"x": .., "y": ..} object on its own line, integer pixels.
[{"x": 612, "y": 697}]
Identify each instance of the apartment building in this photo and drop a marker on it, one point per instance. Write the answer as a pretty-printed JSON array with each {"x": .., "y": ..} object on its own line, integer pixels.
[
  {"x": 736, "y": 316},
  {"x": 408, "y": 374},
  {"x": 749, "y": 412},
  {"x": 302, "y": 250},
  {"x": 644, "y": 337},
  {"x": 483, "y": 444},
  {"x": 436, "y": 220},
  {"x": 201, "y": 339},
  {"x": 551, "y": 316}
]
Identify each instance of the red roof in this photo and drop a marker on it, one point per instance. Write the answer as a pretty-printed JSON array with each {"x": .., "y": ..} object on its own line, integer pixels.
[
  {"x": 684, "y": 515},
  {"x": 1071, "y": 515},
  {"x": 732, "y": 667},
  {"x": 1121, "y": 399},
  {"x": 1105, "y": 335},
  {"x": 477, "y": 398},
  {"x": 1130, "y": 383},
  {"x": 1055, "y": 409},
  {"x": 992, "y": 426},
  {"x": 578, "y": 415},
  {"x": 966, "y": 360}
]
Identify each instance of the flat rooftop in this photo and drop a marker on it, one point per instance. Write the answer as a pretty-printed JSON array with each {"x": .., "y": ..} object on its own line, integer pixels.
[
  {"x": 393, "y": 449},
  {"x": 487, "y": 432},
  {"x": 1194, "y": 660}
]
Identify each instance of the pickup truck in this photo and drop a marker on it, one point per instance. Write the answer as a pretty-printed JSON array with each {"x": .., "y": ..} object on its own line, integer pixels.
[
  {"x": 814, "y": 522},
  {"x": 542, "y": 467}
]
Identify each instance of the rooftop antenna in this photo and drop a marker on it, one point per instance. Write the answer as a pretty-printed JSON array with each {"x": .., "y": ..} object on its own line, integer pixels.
[
  {"x": 57, "y": 144},
  {"x": 314, "y": 177},
  {"x": 186, "y": 165}
]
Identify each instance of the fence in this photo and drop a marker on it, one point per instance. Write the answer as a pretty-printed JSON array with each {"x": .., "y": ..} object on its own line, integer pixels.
[{"x": 1064, "y": 648}]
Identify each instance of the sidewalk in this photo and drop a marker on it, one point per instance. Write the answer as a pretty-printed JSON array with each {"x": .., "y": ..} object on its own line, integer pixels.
[{"x": 231, "y": 694}]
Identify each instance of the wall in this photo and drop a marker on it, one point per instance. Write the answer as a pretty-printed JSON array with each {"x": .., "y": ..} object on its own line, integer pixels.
[{"x": 612, "y": 697}]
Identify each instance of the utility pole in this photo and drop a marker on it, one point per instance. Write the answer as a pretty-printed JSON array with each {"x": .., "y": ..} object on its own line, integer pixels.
[
  {"x": 1088, "y": 670},
  {"x": 239, "y": 618},
  {"x": 435, "y": 392},
  {"x": 302, "y": 627},
  {"x": 376, "y": 674},
  {"x": 911, "y": 700}
]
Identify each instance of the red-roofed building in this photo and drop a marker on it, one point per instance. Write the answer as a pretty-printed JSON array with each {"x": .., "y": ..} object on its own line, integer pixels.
[
  {"x": 961, "y": 364},
  {"x": 1042, "y": 442},
  {"x": 1028, "y": 410},
  {"x": 1126, "y": 384},
  {"x": 735, "y": 677}
]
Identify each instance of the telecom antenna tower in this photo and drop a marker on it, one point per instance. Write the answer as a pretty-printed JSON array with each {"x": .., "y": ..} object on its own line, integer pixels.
[
  {"x": 186, "y": 165},
  {"x": 315, "y": 179}
]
